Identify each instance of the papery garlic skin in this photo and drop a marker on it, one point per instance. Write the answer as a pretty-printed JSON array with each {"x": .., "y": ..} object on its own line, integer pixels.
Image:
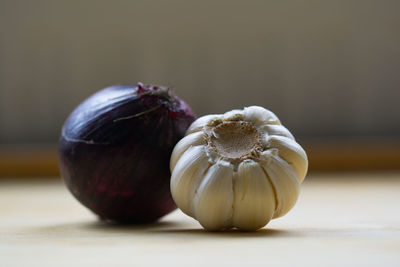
[{"x": 237, "y": 170}]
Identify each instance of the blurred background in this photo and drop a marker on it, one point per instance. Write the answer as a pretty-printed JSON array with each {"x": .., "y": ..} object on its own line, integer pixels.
[{"x": 329, "y": 69}]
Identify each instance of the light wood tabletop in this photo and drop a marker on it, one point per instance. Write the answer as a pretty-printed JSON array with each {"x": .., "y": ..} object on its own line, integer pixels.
[{"x": 340, "y": 220}]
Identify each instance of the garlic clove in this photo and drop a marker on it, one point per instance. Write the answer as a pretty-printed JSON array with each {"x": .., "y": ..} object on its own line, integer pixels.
[
  {"x": 194, "y": 139},
  {"x": 284, "y": 181},
  {"x": 259, "y": 116},
  {"x": 187, "y": 176},
  {"x": 292, "y": 152},
  {"x": 280, "y": 130},
  {"x": 233, "y": 115},
  {"x": 254, "y": 202},
  {"x": 198, "y": 124},
  {"x": 213, "y": 201}
]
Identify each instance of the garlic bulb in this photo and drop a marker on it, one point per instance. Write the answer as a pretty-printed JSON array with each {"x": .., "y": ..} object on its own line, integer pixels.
[{"x": 239, "y": 169}]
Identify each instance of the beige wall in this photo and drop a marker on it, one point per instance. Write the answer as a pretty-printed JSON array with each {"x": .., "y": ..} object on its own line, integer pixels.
[{"x": 327, "y": 68}]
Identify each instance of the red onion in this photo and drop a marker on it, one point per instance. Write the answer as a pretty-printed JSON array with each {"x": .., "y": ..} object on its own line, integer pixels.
[{"x": 115, "y": 148}]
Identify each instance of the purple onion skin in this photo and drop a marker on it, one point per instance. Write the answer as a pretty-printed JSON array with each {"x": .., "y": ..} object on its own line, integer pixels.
[{"x": 115, "y": 148}]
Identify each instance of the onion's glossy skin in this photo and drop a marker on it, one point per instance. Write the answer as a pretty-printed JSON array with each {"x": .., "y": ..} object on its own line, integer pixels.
[{"x": 115, "y": 148}]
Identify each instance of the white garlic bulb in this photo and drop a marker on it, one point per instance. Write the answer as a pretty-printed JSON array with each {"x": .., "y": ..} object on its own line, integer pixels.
[{"x": 239, "y": 169}]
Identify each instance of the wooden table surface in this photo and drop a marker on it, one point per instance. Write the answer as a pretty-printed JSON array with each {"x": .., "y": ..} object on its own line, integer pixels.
[{"x": 339, "y": 220}]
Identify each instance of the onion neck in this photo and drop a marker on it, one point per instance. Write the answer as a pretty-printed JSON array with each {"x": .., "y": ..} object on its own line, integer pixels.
[{"x": 160, "y": 92}]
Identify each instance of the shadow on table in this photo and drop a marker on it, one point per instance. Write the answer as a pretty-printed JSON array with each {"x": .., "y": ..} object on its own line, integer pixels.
[
  {"x": 234, "y": 233},
  {"x": 178, "y": 228},
  {"x": 158, "y": 228}
]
